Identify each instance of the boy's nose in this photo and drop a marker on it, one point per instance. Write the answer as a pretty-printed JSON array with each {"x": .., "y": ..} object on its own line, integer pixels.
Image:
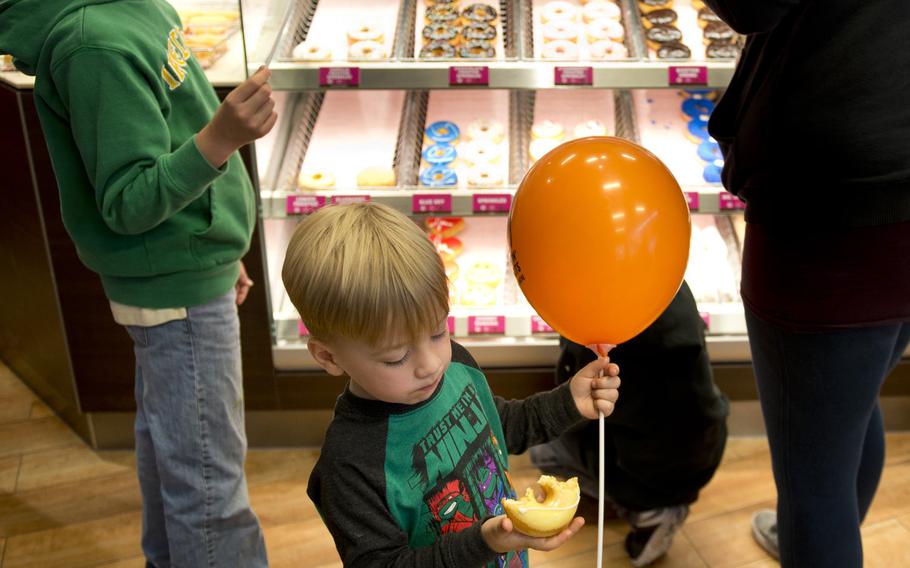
[{"x": 427, "y": 364}]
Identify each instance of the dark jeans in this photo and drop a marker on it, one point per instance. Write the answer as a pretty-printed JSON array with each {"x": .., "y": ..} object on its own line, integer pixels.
[
  {"x": 819, "y": 396},
  {"x": 666, "y": 436}
]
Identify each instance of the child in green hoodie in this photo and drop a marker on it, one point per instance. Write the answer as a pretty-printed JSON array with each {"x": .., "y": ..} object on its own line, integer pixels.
[{"x": 159, "y": 204}]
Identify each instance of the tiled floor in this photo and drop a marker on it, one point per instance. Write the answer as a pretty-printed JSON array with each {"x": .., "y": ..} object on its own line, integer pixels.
[{"x": 62, "y": 504}]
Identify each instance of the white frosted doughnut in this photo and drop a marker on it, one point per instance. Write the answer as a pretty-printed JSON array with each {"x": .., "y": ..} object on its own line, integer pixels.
[
  {"x": 541, "y": 146},
  {"x": 305, "y": 51},
  {"x": 559, "y": 10},
  {"x": 477, "y": 152},
  {"x": 364, "y": 31},
  {"x": 367, "y": 50},
  {"x": 560, "y": 30},
  {"x": 604, "y": 29},
  {"x": 597, "y": 9},
  {"x": 547, "y": 130},
  {"x": 484, "y": 176},
  {"x": 559, "y": 49},
  {"x": 482, "y": 129},
  {"x": 590, "y": 128},
  {"x": 608, "y": 50}
]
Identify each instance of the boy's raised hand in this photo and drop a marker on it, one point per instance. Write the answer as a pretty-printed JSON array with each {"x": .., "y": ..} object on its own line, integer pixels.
[
  {"x": 247, "y": 114},
  {"x": 501, "y": 536},
  {"x": 595, "y": 394}
]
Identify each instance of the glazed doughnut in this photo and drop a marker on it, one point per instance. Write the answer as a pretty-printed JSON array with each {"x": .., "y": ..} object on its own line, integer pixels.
[
  {"x": 558, "y": 10},
  {"x": 315, "y": 179},
  {"x": 707, "y": 16},
  {"x": 547, "y": 130},
  {"x": 370, "y": 50},
  {"x": 696, "y": 108},
  {"x": 376, "y": 176},
  {"x": 549, "y": 517},
  {"x": 560, "y": 30},
  {"x": 484, "y": 176},
  {"x": 722, "y": 50},
  {"x": 478, "y": 31},
  {"x": 479, "y": 13},
  {"x": 437, "y": 50},
  {"x": 444, "y": 227},
  {"x": 480, "y": 152},
  {"x": 605, "y": 29},
  {"x": 559, "y": 49},
  {"x": 590, "y": 128},
  {"x": 674, "y": 51},
  {"x": 719, "y": 31},
  {"x": 489, "y": 130},
  {"x": 650, "y": 5},
  {"x": 662, "y": 17},
  {"x": 441, "y": 13},
  {"x": 442, "y": 132},
  {"x": 364, "y": 32},
  {"x": 448, "y": 248},
  {"x": 438, "y": 176},
  {"x": 477, "y": 49},
  {"x": 540, "y": 147},
  {"x": 440, "y": 31},
  {"x": 311, "y": 52},
  {"x": 608, "y": 50},
  {"x": 484, "y": 273},
  {"x": 660, "y": 35},
  {"x": 709, "y": 151},
  {"x": 439, "y": 154},
  {"x": 597, "y": 9}
]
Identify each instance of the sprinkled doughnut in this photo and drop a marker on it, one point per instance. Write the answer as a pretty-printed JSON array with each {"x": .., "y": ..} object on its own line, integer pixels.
[
  {"x": 479, "y": 13},
  {"x": 477, "y": 49},
  {"x": 480, "y": 152},
  {"x": 437, "y": 50},
  {"x": 442, "y": 13},
  {"x": 478, "y": 31},
  {"x": 440, "y": 31},
  {"x": 482, "y": 129},
  {"x": 484, "y": 176}
]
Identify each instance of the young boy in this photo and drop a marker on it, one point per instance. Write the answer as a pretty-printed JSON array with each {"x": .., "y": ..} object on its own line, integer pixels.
[
  {"x": 159, "y": 204},
  {"x": 414, "y": 464}
]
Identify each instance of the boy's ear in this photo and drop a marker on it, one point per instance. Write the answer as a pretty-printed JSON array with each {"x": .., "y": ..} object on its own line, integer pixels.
[{"x": 323, "y": 355}]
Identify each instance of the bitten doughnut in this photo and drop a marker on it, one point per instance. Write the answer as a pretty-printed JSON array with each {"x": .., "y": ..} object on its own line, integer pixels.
[
  {"x": 590, "y": 128},
  {"x": 558, "y": 10},
  {"x": 559, "y": 49},
  {"x": 442, "y": 13},
  {"x": 438, "y": 176},
  {"x": 605, "y": 29},
  {"x": 540, "y": 147},
  {"x": 437, "y": 50},
  {"x": 478, "y": 152},
  {"x": 548, "y": 130},
  {"x": 444, "y": 227},
  {"x": 484, "y": 176},
  {"x": 376, "y": 176},
  {"x": 440, "y": 31},
  {"x": 674, "y": 51},
  {"x": 477, "y": 49},
  {"x": 549, "y": 517},
  {"x": 482, "y": 129},
  {"x": 371, "y": 50},
  {"x": 560, "y": 30},
  {"x": 315, "y": 179},
  {"x": 479, "y": 13},
  {"x": 311, "y": 52},
  {"x": 608, "y": 50},
  {"x": 440, "y": 154},
  {"x": 478, "y": 30},
  {"x": 597, "y": 9},
  {"x": 443, "y": 132},
  {"x": 364, "y": 32}
]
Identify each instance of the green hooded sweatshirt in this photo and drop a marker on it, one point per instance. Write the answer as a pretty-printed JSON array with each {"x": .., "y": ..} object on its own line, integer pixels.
[{"x": 120, "y": 100}]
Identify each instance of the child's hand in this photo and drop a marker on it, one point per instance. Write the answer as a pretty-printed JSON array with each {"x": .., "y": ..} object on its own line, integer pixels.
[
  {"x": 501, "y": 536},
  {"x": 592, "y": 394},
  {"x": 246, "y": 114}
]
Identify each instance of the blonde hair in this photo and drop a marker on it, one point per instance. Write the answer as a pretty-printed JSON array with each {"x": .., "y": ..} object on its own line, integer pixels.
[{"x": 363, "y": 270}]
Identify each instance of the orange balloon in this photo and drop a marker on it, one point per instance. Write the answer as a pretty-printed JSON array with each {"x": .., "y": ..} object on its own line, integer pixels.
[{"x": 599, "y": 237}]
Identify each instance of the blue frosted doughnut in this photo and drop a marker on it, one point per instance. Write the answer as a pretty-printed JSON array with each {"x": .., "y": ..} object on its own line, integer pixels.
[
  {"x": 709, "y": 151},
  {"x": 713, "y": 170},
  {"x": 695, "y": 108},
  {"x": 438, "y": 176},
  {"x": 699, "y": 93},
  {"x": 440, "y": 154},
  {"x": 698, "y": 130},
  {"x": 443, "y": 132}
]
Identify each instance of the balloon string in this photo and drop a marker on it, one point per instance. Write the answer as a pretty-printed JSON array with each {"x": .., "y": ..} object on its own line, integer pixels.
[{"x": 602, "y": 349}]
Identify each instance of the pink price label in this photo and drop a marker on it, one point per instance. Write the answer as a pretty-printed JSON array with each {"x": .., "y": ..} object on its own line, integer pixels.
[
  {"x": 469, "y": 76},
  {"x": 706, "y": 317},
  {"x": 304, "y": 204},
  {"x": 688, "y": 75},
  {"x": 728, "y": 201},
  {"x": 492, "y": 202},
  {"x": 573, "y": 76},
  {"x": 431, "y": 203},
  {"x": 691, "y": 200},
  {"x": 301, "y": 329},
  {"x": 540, "y": 326},
  {"x": 450, "y": 323},
  {"x": 346, "y": 199},
  {"x": 486, "y": 324},
  {"x": 339, "y": 76}
]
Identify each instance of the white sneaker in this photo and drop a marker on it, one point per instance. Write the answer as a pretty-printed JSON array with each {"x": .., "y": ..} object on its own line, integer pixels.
[
  {"x": 764, "y": 530},
  {"x": 652, "y": 532}
]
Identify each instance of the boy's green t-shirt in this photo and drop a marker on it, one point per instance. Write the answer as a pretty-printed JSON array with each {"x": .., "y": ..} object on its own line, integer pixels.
[{"x": 121, "y": 99}]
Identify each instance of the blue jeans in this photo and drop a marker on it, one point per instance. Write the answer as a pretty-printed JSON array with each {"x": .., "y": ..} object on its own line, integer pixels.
[
  {"x": 819, "y": 397},
  {"x": 191, "y": 443}
]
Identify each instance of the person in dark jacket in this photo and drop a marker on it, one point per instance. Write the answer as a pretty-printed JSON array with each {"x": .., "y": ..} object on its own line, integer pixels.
[{"x": 814, "y": 128}]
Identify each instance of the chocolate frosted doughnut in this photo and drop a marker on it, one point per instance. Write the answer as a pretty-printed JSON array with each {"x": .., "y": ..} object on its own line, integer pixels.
[
  {"x": 478, "y": 31},
  {"x": 663, "y": 17},
  {"x": 674, "y": 51},
  {"x": 664, "y": 34},
  {"x": 719, "y": 31},
  {"x": 707, "y": 16},
  {"x": 437, "y": 50},
  {"x": 477, "y": 49},
  {"x": 479, "y": 13},
  {"x": 722, "y": 50},
  {"x": 440, "y": 31},
  {"x": 442, "y": 13}
]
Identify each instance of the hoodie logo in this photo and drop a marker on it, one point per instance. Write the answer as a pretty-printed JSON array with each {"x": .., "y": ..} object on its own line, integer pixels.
[{"x": 174, "y": 72}]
